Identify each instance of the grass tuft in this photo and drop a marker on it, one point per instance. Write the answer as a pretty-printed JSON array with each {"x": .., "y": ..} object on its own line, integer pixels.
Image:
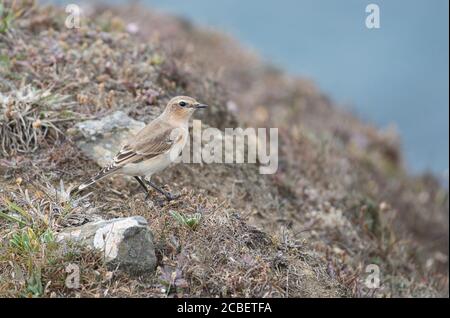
[
  {"x": 27, "y": 117},
  {"x": 7, "y": 17},
  {"x": 191, "y": 222}
]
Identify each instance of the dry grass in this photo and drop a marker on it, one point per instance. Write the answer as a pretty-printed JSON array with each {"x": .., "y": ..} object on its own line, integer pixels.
[{"x": 27, "y": 119}]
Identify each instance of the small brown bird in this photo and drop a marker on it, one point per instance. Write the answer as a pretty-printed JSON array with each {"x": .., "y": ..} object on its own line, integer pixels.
[{"x": 155, "y": 147}]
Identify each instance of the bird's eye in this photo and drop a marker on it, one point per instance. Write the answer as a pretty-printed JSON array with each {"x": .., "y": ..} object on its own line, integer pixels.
[{"x": 182, "y": 104}]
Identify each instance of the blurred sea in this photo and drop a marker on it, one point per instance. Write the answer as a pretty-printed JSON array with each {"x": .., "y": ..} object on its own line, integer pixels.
[{"x": 396, "y": 74}]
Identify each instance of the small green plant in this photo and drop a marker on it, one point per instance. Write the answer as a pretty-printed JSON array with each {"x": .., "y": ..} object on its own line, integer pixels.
[
  {"x": 189, "y": 221},
  {"x": 34, "y": 284},
  {"x": 27, "y": 241},
  {"x": 21, "y": 217},
  {"x": 11, "y": 218},
  {"x": 5, "y": 62},
  {"x": 32, "y": 250},
  {"x": 6, "y": 18},
  {"x": 156, "y": 59},
  {"x": 33, "y": 219}
]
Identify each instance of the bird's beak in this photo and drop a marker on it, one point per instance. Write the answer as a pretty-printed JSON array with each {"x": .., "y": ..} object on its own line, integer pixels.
[{"x": 200, "y": 106}]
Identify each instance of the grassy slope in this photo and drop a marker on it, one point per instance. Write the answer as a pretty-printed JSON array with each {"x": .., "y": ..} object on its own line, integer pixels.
[{"x": 340, "y": 201}]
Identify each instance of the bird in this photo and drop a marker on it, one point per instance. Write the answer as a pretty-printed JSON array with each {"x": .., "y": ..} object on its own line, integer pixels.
[{"x": 154, "y": 147}]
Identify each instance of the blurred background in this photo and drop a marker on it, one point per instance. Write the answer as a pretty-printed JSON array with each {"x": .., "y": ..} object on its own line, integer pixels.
[{"x": 395, "y": 75}]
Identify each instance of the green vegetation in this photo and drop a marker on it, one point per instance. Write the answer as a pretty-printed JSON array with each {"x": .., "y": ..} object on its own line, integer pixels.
[{"x": 190, "y": 221}]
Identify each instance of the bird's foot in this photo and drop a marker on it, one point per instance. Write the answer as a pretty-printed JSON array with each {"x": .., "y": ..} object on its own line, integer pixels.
[
  {"x": 170, "y": 196},
  {"x": 156, "y": 201}
]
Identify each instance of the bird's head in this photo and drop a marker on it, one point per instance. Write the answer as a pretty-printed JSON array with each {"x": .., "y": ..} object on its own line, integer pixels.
[{"x": 182, "y": 107}]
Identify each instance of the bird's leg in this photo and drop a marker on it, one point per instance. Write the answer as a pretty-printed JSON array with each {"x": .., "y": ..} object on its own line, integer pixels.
[
  {"x": 144, "y": 186},
  {"x": 169, "y": 196}
]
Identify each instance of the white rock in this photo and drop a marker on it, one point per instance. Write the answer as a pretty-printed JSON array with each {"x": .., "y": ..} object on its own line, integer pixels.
[
  {"x": 101, "y": 139},
  {"x": 126, "y": 243}
]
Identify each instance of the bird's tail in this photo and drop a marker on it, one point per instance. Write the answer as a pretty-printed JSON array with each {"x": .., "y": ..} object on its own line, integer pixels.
[{"x": 102, "y": 173}]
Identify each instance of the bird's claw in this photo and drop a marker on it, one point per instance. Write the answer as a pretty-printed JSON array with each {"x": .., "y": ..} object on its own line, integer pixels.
[{"x": 169, "y": 196}]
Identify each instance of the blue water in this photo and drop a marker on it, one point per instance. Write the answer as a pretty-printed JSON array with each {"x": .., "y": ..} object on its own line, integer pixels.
[{"x": 396, "y": 74}]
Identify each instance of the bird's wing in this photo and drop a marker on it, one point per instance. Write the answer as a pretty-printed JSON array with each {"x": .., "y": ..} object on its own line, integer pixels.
[{"x": 154, "y": 139}]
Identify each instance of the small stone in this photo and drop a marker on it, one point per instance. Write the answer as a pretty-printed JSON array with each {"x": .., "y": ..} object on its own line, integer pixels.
[
  {"x": 132, "y": 28},
  {"x": 127, "y": 243},
  {"x": 102, "y": 139}
]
